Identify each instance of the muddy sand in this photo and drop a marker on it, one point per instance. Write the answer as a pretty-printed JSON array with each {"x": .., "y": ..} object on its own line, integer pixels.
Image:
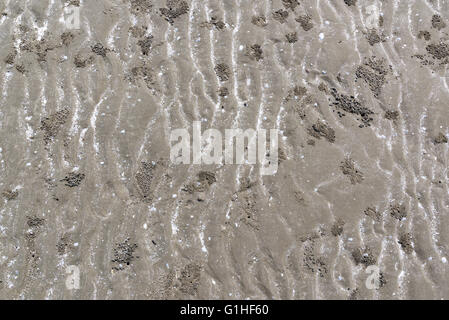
[{"x": 359, "y": 95}]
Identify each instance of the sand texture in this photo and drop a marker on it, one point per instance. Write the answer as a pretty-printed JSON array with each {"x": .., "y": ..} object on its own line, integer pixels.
[{"x": 86, "y": 178}]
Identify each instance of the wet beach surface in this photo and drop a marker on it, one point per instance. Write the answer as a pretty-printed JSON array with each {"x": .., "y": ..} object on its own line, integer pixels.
[{"x": 361, "y": 102}]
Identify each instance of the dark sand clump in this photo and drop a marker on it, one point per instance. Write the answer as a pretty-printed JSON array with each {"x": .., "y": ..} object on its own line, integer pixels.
[
  {"x": 374, "y": 80},
  {"x": 82, "y": 60},
  {"x": 290, "y": 4},
  {"x": 67, "y": 38},
  {"x": 20, "y": 68},
  {"x": 391, "y": 115},
  {"x": 398, "y": 211},
  {"x": 313, "y": 263},
  {"x": 348, "y": 168},
  {"x": 75, "y": 3},
  {"x": 305, "y": 21},
  {"x": 374, "y": 72},
  {"x": 217, "y": 23},
  {"x": 223, "y": 91},
  {"x": 321, "y": 129},
  {"x": 64, "y": 244},
  {"x": 144, "y": 178},
  {"x": 11, "y": 57},
  {"x": 223, "y": 71},
  {"x": 100, "y": 50},
  {"x": 143, "y": 72},
  {"x": 292, "y": 37},
  {"x": 280, "y": 15},
  {"x": 175, "y": 9},
  {"x": 323, "y": 87},
  {"x": 35, "y": 222},
  {"x": 255, "y": 52},
  {"x": 354, "y": 295},
  {"x": 141, "y": 6},
  {"x": 245, "y": 184},
  {"x": 364, "y": 256},
  {"x": 374, "y": 36},
  {"x": 437, "y": 22},
  {"x": 282, "y": 155},
  {"x": 406, "y": 242},
  {"x": 373, "y": 213},
  {"x": 438, "y": 51},
  {"x": 207, "y": 177},
  {"x": 259, "y": 21},
  {"x": 247, "y": 202},
  {"x": 41, "y": 47},
  {"x": 424, "y": 60},
  {"x": 138, "y": 31},
  {"x": 300, "y": 110},
  {"x": 297, "y": 92},
  {"x": 10, "y": 194},
  {"x": 350, "y": 2},
  {"x": 299, "y": 197},
  {"x": 424, "y": 35},
  {"x": 73, "y": 179},
  {"x": 382, "y": 280},
  {"x": 34, "y": 225},
  {"x": 190, "y": 279},
  {"x": 53, "y": 123},
  {"x": 123, "y": 254},
  {"x": 145, "y": 44},
  {"x": 440, "y": 138},
  {"x": 204, "y": 180},
  {"x": 351, "y": 105},
  {"x": 337, "y": 228}
]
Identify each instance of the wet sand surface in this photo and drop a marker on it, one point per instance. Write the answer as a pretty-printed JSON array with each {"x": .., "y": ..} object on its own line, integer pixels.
[{"x": 86, "y": 178}]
